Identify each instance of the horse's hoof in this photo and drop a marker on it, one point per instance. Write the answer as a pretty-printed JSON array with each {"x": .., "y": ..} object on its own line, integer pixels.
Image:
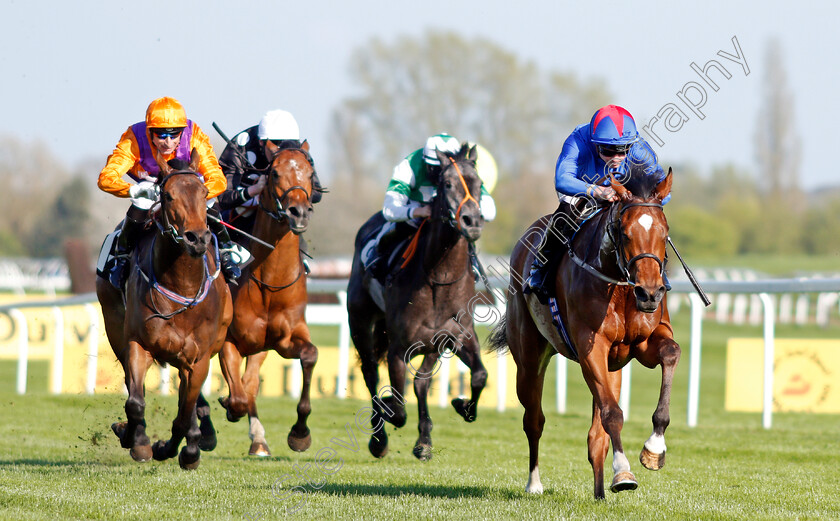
[
  {"x": 465, "y": 408},
  {"x": 378, "y": 449},
  {"x": 119, "y": 430},
  {"x": 624, "y": 481},
  {"x": 260, "y": 449},
  {"x": 651, "y": 460},
  {"x": 228, "y": 414},
  {"x": 422, "y": 452},
  {"x": 189, "y": 462},
  {"x": 141, "y": 453},
  {"x": 159, "y": 451},
  {"x": 299, "y": 443}
]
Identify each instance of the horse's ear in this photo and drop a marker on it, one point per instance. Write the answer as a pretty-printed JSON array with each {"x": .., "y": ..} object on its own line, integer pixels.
[
  {"x": 270, "y": 149},
  {"x": 664, "y": 186},
  {"x": 165, "y": 169},
  {"x": 623, "y": 193},
  {"x": 305, "y": 145},
  {"x": 442, "y": 157},
  {"x": 472, "y": 153},
  {"x": 194, "y": 160}
]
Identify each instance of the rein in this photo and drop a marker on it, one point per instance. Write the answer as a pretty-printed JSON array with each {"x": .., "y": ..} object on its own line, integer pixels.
[{"x": 301, "y": 271}]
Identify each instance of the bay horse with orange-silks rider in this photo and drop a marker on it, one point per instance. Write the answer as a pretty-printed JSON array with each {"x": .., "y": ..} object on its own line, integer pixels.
[{"x": 175, "y": 310}]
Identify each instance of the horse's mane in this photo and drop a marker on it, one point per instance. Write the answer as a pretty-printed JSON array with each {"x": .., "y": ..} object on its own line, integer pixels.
[{"x": 641, "y": 182}]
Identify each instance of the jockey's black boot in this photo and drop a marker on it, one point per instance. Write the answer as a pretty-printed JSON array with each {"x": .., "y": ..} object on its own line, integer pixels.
[
  {"x": 230, "y": 269},
  {"x": 129, "y": 233},
  {"x": 557, "y": 236}
]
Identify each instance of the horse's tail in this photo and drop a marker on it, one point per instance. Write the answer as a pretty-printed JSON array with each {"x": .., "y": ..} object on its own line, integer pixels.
[{"x": 497, "y": 341}]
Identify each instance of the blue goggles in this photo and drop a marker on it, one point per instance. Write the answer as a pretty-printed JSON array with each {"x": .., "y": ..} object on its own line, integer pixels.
[{"x": 163, "y": 134}]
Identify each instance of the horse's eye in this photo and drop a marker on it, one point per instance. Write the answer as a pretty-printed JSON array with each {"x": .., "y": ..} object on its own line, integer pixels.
[{"x": 167, "y": 197}]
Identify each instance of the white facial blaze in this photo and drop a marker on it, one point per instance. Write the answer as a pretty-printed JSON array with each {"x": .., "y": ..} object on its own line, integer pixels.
[{"x": 646, "y": 221}]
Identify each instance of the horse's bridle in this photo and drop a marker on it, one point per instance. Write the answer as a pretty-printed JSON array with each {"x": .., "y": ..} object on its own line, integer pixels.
[
  {"x": 454, "y": 218},
  {"x": 614, "y": 230},
  {"x": 279, "y": 212},
  {"x": 167, "y": 229}
]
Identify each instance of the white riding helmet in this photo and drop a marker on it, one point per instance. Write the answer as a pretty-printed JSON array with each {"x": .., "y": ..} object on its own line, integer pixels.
[
  {"x": 443, "y": 142},
  {"x": 278, "y": 124}
]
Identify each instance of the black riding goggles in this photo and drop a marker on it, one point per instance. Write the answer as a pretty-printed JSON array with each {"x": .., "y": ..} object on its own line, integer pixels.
[{"x": 613, "y": 150}]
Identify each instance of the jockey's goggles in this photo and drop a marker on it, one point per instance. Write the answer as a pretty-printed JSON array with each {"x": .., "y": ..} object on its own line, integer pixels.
[
  {"x": 613, "y": 150},
  {"x": 166, "y": 133}
]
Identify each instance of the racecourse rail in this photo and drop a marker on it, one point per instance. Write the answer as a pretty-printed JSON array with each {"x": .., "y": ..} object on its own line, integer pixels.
[{"x": 336, "y": 315}]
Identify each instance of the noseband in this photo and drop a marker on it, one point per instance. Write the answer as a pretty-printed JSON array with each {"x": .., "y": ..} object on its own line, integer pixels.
[{"x": 624, "y": 265}]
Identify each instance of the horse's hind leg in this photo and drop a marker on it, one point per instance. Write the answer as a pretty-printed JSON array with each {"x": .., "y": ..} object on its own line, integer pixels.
[
  {"x": 299, "y": 438},
  {"x": 251, "y": 385},
  {"x": 185, "y": 424},
  {"x": 470, "y": 354},
  {"x": 365, "y": 335},
  {"x": 132, "y": 433},
  {"x": 661, "y": 349},
  {"x": 205, "y": 425},
  {"x": 422, "y": 381}
]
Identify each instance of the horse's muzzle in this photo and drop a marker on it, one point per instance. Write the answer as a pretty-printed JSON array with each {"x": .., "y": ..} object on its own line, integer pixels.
[
  {"x": 197, "y": 241},
  {"x": 298, "y": 217},
  {"x": 647, "y": 301}
]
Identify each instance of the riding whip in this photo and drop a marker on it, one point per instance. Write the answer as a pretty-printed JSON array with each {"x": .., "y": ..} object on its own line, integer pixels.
[{"x": 690, "y": 275}]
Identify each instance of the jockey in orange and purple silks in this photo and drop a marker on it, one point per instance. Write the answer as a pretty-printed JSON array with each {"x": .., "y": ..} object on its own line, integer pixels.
[{"x": 168, "y": 133}]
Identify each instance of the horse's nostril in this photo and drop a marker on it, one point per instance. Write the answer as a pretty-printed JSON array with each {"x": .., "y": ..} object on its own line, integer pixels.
[
  {"x": 294, "y": 211},
  {"x": 641, "y": 294},
  {"x": 467, "y": 220},
  {"x": 190, "y": 237}
]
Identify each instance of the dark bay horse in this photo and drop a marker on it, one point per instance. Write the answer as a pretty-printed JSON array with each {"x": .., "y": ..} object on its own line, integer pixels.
[
  {"x": 427, "y": 306},
  {"x": 270, "y": 301},
  {"x": 611, "y": 297},
  {"x": 176, "y": 310}
]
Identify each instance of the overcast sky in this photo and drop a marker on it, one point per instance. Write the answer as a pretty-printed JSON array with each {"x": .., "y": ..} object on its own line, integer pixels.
[{"x": 76, "y": 74}]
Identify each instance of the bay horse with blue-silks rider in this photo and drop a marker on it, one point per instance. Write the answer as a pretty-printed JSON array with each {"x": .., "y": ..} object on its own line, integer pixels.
[
  {"x": 425, "y": 307},
  {"x": 610, "y": 307},
  {"x": 175, "y": 310},
  {"x": 270, "y": 301}
]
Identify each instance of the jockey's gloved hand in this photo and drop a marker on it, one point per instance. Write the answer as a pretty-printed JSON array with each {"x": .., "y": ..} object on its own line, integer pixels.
[
  {"x": 144, "y": 194},
  {"x": 144, "y": 190},
  {"x": 604, "y": 193}
]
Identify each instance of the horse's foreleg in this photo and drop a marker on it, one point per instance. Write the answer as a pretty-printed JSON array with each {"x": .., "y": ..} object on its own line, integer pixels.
[
  {"x": 597, "y": 445},
  {"x": 185, "y": 424},
  {"x": 470, "y": 354},
  {"x": 661, "y": 349},
  {"x": 605, "y": 387},
  {"x": 251, "y": 385},
  {"x": 132, "y": 433},
  {"x": 395, "y": 408},
  {"x": 422, "y": 381},
  {"x": 299, "y": 438},
  {"x": 236, "y": 403},
  {"x": 205, "y": 425}
]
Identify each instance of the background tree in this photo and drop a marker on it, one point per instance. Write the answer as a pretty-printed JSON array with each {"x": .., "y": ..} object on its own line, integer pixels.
[
  {"x": 475, "y": 90},
  {"x": 777, "y": 158}
]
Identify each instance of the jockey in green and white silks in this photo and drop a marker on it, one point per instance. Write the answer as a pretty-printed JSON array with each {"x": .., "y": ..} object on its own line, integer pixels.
[{"x": 410, "y": 192}]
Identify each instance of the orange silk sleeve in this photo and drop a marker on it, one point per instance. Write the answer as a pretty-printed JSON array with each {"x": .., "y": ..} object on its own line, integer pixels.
[
  {"x": 208, "y": 166},
  {"x": 121, "y": 160}
]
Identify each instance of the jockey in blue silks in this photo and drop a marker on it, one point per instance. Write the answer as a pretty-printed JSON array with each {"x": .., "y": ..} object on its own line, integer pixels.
[{"x": 608, "y": 144}]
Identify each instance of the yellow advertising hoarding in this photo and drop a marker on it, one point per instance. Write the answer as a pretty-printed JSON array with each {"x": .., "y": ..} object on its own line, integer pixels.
[{"x": 806, "y": 376}]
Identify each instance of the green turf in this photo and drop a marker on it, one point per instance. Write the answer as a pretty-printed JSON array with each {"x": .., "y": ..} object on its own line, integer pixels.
[{"x": 59, "y": 459}]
